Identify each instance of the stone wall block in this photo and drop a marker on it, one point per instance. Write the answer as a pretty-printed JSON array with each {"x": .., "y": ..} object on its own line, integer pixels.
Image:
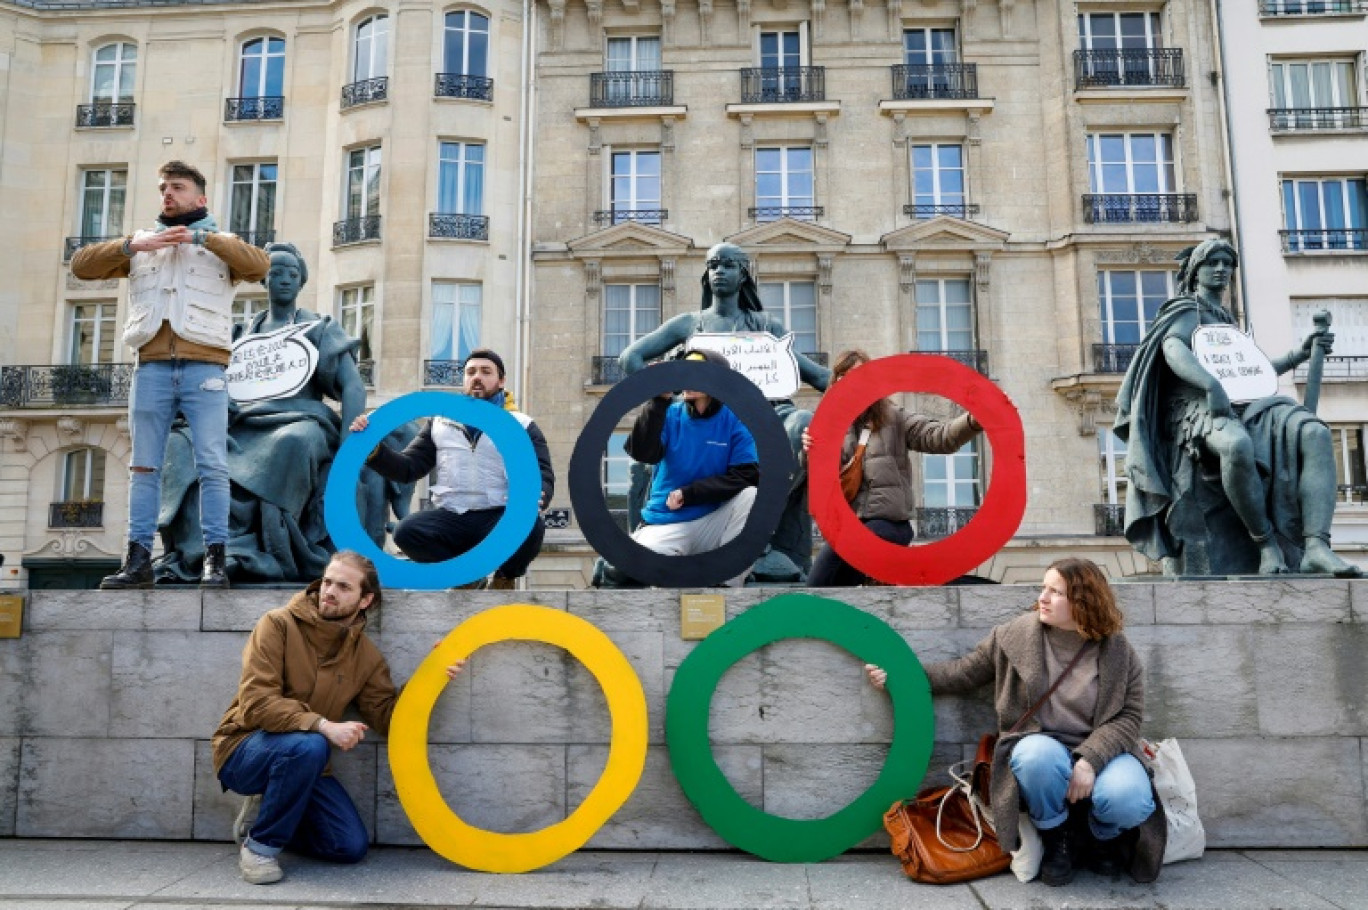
[
  {"x": 52, "y": 610},
  {"x": 1199, "y": 680},
  {"x": 985, "y": 606},
  {"x": 238, "y": 609},
  {"x": 588, "y": 705},
  {"x": 521, "y": 693},
  {"x": 520, "y": 788},
  {"x": 1324, "y": 696},
  {"x": 151, "y": 670},
  {"x": 55, "y": 684},
  {"x": 735, "y": 711},
  {"x": 922, "y": 608},
  {"x": 9, "y": 783},
  {"x": 450, "y": 718},
  {"x": 826, "y": 702},
  {"x": 634, "y": 609},
  {"x": 1358, "y": 601},
  {"x": 438, "y": 612},
  {"x": 1137, "y": 602},
  {"x": 1292, "y": 600},
  {"x": 106, "y": 788},
  {"x": 1279, "y": 792},
  {"x": 807, "y": 781}
]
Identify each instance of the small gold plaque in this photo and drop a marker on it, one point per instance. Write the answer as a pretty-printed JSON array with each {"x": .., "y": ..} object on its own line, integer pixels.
[
  {"x": 700, "y": 614},
  {"x": 11, "y": 615}
]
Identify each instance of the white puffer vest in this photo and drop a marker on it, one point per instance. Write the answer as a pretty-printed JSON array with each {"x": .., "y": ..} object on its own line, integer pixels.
[
  {"x": 468, "y": 477},
  {"x": 184, "y": 284}
]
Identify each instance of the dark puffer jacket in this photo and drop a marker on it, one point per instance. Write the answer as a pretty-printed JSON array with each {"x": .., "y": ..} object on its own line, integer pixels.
[{"x": 886, "y": 491}]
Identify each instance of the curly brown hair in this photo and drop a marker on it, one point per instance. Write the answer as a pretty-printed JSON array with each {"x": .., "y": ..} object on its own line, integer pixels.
[
  {"x": 878, "y": 413},
  {"x": 1090, "y": 598}
]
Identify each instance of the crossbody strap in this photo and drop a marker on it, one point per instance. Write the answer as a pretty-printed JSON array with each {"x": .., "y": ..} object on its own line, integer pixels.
[{"x": 1048, "y": 692}]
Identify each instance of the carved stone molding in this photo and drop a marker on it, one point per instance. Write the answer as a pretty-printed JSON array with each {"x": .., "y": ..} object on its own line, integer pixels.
[
  {"x": 667, "y": 276},
  {"x": 667, "y": 18},
  {"x": 1005, "y": 15},
  {"x": 899, "y": 128},
  {"x": 818, "y": 12},
  {"x": 856, "y": 9},
  {"x": 121, "y": 427},
  {"x": 631, "y": 6},
  {"x": 667, "y": 141},
  {"x": 983, "y": 273},
  {"x": 705, "y": 11},
  {"x": 595, "y": 8},
  {"x": 557, "y": 23},
  {"x": 70, "y": 429},
  {"x": 747, "y": 131},
  {"x": 820, "y": 138},
  {"x": 1086, "y": 403},
  {"x": 907, "y": 273},
  {"x": 1136, "y": 253},
  {"x": 824, "y": 275},
  {"x": 593, "y": 279},
  {"x": 75, "y": 284},
  {"x": 15, "y": 430},
  {"x": 967, "y": 17},
  {"x": 743, "y": 15},
  {"x": 971, "y": 132},
  {"x": 894, "y": 18},
  {"x": 595, "y": 140}
]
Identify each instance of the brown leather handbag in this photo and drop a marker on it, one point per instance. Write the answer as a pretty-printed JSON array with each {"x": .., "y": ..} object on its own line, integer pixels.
[{"x": 852, "y": 472}]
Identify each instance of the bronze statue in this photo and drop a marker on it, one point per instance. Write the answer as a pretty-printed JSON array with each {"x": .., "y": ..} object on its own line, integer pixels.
[{"x": 1216, "y": 487}]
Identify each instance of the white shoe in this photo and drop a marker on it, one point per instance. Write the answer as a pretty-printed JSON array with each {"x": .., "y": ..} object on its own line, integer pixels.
[
  {"x": 246, "y": 817},
  {"x": 258, "y": 869}
]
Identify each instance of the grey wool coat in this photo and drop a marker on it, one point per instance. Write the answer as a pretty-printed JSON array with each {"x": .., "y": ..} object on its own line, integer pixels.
[{"x": 1012, "y": 658}]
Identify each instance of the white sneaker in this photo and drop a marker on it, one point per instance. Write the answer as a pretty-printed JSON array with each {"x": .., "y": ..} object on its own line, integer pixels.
[
  {"x": 246, "y": 817},
  {"x": 258, "y": 869}
]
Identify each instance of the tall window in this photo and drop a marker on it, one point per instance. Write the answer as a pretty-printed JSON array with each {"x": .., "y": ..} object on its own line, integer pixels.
[
  {"x": 633, "y": 54},
  {"x": 467, "y": 43},
  {"x": 1129, "y": 300},
  {"x": 1111, "y": 452},
  {"x": 1131, "y": 163},
  {"x": 1119, "y": 31},
  {"x": 253, "y": 197},
  {"x": 635, "y": 186},
  {"x": 1349, "y": 320},
  {"x": 1313, "y": 83},
  {"x": 629, "y": 312},
  {"x": 92, "y": 333},
  {"x": 1351, "y": 474},
  {"x": 945, "y": 316},
  {"x": 102, "y": 203},
  {"x": 938, "y": 180},
  {"x": 456, "y": 312},
  {"x": 784, "y": 183},
  {"x": 1325, "y": 213},
  {"x": 83, "y": 474},
  {"x": 363, "y": 183},
  {"x": 951, "y": 481},
  {"x": 356, "y": 311},
  {"x": 113, "y": 73},
  {"x": 927, "y": 52},
  {"x": 616, "y": 477},
  {"x": 261, "y": 73},
  {"x": 795, "y": 304},
  {"x": 781, "y": 62},
  {"x": 370, "y": 49},
  {"x": 246, "y": 308},
  {"x": 460, "y": 178}
]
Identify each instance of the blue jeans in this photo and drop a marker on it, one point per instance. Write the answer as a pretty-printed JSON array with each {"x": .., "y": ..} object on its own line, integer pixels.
[
  {"x": 1121, "y": 796},
  {"x": 439, "y": 534},
  {"x": 197, "y": 390},
  {"x": 300, "y": 808}
]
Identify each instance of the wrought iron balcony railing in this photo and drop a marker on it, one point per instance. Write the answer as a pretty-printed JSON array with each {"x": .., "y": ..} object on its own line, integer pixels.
[
  {"x": 265, "y": 107},
  {"x": 913, "y": 81},
  {"x": 1352, "y": 493},
  {"x": 606, "y": 370},
  {"x": 634, "y": 88},
  {"x": 77, "y": 513},
  {"x": 458, "y": 227},
  {"x": 1325, "y": 240},
  {"x": 1339, "y": 368},
  {"x": 1315, "y": 119},
  {"x": 775, "y": 212},
  {"x": 105, "y": 113},
  {"x": 1145, "y": 66},
  {"x": 355, "y": 230},
  {"x": 607, "y": 217},
  {"x": 933, "y": 523},
  {"x": 1109, "y": 520},
  {"x": 1311, "y": 7},
  {"x": 365, "y": 91},
  {"x": 256, "y": 238},
  {"x": 66, "y": 385},
  {"x": 367, "y": 370},
  {"x": 958, "y": 210},
  {"x": 783, "y": 86},
  {"x": 443, "y": 372},
  {"x": 1139, "y": 208},
  {"x": 977, "y": 360},
  {"x": 1113, "y": 358},
  {"x": 75, "y": 243},
  {"x": 458, "y": 85}
]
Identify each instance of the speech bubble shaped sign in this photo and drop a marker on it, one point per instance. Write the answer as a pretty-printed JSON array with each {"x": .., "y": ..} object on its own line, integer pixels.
[
  {"x": 271, "y": 365},
  {"x": 759, "y": 356},
  {"x": 1242, "y": 369}
]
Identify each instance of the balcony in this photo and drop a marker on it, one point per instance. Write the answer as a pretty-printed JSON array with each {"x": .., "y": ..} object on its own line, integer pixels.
[
  {"x": 914, "y": 81},
  {"x": 266, "y": 107},
  {"x": 1352, "y": 493},
  {"x": 1312, "y": 7},
  {"x": 77, "y": 513},
  {"x": 775, "y": 212},
  {"x": 933, "y": 523},
  {"x": 609, "y": 217},
  {"x": 958, "y": 210},
  {"x": 66, "y": 385},
  {"x": 1109, "y": 520},
  {"x": 1147, "y": 67},
  {"x": 1316, "y": 119},
  {"x": 356, "y": 230},
  {"x": 1338, "y": 369},
  {"x": 256, "y": 238},
  {"x": 103, "y": 114},
  {"x": 1113, "y": 358},
  {"x": 605, "y": 370},
  {"x": 1324, "y": 240},
  {"x": 75, "y": 243},
  {"x": 783, "y": 86},
  {"x": 365, "y": 92},
  {"x": 443, "y": 372},
  {"x": 975, "y": 360},
  {"x": 452, "y": 226},
  {"x": 634, "y": 88},
  {"x": 1139, "y": 208},
  {"x": 457, "y": 85}
]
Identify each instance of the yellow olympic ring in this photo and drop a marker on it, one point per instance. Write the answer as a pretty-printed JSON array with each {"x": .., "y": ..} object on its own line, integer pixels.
[{"x": 490, "y": 851}]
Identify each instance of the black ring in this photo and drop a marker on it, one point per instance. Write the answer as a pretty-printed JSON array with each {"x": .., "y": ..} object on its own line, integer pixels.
[{"x": 776, "y": 475}]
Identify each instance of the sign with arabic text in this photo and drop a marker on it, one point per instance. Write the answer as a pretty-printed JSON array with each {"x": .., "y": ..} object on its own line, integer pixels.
[{"x": 767, "y": 361}]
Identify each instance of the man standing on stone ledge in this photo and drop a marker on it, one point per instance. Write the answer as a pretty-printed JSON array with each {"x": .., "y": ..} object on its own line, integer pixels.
[
  {"x": 471, "y": 488},
  {"x": 180, "y": 320},
  {"x": 303, "y": 666}
]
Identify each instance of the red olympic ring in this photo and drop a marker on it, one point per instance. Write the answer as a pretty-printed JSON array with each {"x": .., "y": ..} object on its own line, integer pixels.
[{"x": 997, "y": 518}]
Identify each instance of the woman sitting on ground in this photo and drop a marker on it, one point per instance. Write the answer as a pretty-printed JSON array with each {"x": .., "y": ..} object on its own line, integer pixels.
[{"x": 1081, "y": 748}]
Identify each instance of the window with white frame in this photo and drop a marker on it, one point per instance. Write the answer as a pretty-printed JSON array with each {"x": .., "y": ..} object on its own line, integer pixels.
[
  {"x": 362, "y": 190},
  {"x": 784, "y": 184},
  {"x": 629, "y": 312},
  {"x": 1325, "y": 213},
  {"x": 466, "y": 45},
  {"x": 1111, "y": 452},
  {"x": 1131, "y": 163},
  {"x": 927, "y": 56},
  {"x": 92, "y": 333},
  {"x": 102, "y": 203},
  {"x": 938, "y": 180},
  {"x": 634, "y": 186},
  {"x": 782, "y": 55},
  {"x": 82, "y": 476},
  {"x": 252, "y": 201},
  {"x": 945, "y": 315},
  {"x": 370, "y": 48},
  {"x": 951, "y": 481},
  {"x": 1351, "y": 474},
  {"x": 245, "y": 309},
  {"x": 1119, "y": 31},
  {"x": 456, "y": 315},
  {"x": 356, "y": 312},
  {"x": 616, "y": 477},
  {"x": 1313, "y": 83},
  {"x": 113, "y": 73},
  {"x": 1128, "y": 300},
  {"x": 632, "y": 66},
  {"x": 794, "y": 303},
  {"x": 1348, "y": 320},
  {"x": 261, "y": 68},
  {"x": 460, "y": 178}
]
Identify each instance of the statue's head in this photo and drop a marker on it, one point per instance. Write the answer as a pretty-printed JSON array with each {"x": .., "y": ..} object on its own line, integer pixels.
[
  {"x": 288, "y": 273},
  {"x": 729, "y": 254},
  {"x": 1193, "y": 258}
]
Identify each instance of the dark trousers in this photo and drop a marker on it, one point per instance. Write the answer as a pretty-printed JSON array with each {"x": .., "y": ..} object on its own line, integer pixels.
[
  {"x": 438, "y": 535},
  {"x": 831, "y": 571}
]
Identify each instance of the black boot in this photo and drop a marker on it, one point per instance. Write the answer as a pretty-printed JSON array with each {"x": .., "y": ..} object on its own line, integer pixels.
[
  {"x": 215, "y": 571},
  {"x": 1107, "y": 858},
  {"x": 1056, "y": 867},
  {"x": 136, "y": 572}
]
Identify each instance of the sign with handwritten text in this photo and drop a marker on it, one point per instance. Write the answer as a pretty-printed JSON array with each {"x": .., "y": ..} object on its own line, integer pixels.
[
  {"x": 759, "y": 356},
  {"x": 1230, "y": 355},
  {"x": 272, "y": 365}
]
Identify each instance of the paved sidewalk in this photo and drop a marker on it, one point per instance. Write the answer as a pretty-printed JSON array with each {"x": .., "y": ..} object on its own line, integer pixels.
[{"x": 105, "y": 875}]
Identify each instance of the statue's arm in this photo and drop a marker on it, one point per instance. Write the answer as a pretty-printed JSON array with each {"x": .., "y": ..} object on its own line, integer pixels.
[
  {"x": 1180, "y": 359},
  {"x": 1302, "y": 353},
  {"x": 353, "y": 394},
  {"x": 654, "y": 344}
]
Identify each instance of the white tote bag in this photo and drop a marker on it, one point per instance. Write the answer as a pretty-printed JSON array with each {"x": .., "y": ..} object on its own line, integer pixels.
[{"x": 1173, "y": 782}]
